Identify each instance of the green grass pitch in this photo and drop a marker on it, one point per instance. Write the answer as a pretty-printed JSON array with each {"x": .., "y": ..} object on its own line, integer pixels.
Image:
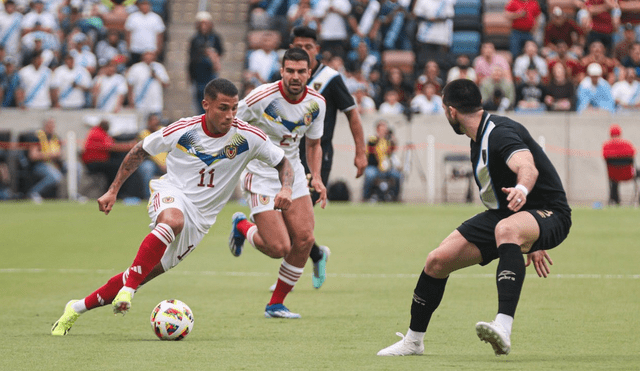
[{"x": 585, "y": 316}]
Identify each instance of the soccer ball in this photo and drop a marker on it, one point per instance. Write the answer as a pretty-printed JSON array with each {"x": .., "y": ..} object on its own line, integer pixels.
[{"x": 172, "y": 320}]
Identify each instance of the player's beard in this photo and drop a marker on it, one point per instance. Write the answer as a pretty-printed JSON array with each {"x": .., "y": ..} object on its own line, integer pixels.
[
  {"x": 294, "y": 89},
  {"x": 455, "y": 125}
]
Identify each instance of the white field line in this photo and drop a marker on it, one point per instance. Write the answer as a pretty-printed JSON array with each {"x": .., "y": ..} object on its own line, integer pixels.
[{"x": 338, "y": 275}]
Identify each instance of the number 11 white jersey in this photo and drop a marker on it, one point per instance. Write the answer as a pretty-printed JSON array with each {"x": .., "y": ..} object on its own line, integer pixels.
[{"x": 206, "y": 167}]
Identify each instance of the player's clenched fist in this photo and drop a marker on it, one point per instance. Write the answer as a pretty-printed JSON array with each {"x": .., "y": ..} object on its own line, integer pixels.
[
  {"x": 283, "y": 199},
  {"x": 106, "y": 202}
]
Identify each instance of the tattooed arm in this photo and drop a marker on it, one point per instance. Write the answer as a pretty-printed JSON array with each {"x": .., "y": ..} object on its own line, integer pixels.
[
  {"x": 286, "y": 175},
  {"x": 130, "y": 163}
]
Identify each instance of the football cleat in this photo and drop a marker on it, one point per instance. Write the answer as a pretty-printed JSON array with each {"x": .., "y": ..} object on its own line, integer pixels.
[
  {"x": 404, "y": 347},
  {"x": 122, "y": 302},
  {"x": 236, "y": 238},
  {"x": 320, "y": 268},
  {"x": 494, "y": 334},
  {"x": 279, "y": 311},
  {"x": 69, "y": 317}
]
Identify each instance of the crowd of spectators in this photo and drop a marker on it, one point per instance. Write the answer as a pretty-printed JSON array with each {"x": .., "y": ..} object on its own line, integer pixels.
[
  {"x": 584, "y": 58},
  {"x": 74, "y": 54}
]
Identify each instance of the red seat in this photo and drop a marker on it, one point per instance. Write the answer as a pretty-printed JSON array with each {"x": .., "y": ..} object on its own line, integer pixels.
[{"x": 621, "y": 169}]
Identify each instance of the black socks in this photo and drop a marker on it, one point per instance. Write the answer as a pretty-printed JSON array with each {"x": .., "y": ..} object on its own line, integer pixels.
[
  {"x": 315, "y": 254},
  {"x": 426, "y": 298},
  {"x": 509, "y": 278}
]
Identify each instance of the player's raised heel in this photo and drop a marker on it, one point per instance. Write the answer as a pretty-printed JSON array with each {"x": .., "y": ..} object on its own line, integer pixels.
[
  {"x": 279, "y": 311},
  {"x": 494, "y": 334},
  {"x": 122, "y": 302},
  {"x": 404, "y": 347},
  {"x": 320, "y": 268},
  {"x": 236, "y": 238},
  {"x": 69, "y": 317}
]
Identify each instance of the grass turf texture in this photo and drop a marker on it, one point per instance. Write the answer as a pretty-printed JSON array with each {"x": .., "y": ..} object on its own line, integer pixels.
[{"x": 583, "y": 317}]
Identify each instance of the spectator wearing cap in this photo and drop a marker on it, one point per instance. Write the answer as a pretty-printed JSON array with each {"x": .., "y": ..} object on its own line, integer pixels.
[
  {"x": 111, "y": 47},
  {"x": 626, "y": 92},
  {"x": 594, "y": 92},
  {"x": 562, "y": 28},
  {"x": 80, "y": 50},
  {"x": 35, "y": 85},
  {"x": 597, "y": 54},
  {"x": 144, "y": 30},
  {"x": 10, "y": 30},
  {"x": 9, "y": 83},
  {"x": 38, "y": 14},
  {"x": 109, "y": 89},
  {"x": 617, "y": 148},
  {"x": 205, "y": 51},
  {"x": 529, "y": 59},
  {"x": 69, "y": 84},
  {"x": 523, "y": 15},
  {"x": 623, "y": 47},
  {"x": 147, "y": 80}
]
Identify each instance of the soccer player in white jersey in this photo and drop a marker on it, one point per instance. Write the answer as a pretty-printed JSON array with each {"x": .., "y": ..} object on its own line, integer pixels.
[
  {"x": 206, "y": 155},
  {"x": 288, "y": 111}
]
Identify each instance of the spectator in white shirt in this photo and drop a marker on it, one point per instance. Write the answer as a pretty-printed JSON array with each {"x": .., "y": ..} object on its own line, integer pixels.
[
  {"x": 10, "y": 30},
  {"x": 391, "y": 104},
  {"x": 147, "y": 80},
  {"x": 427, "y": 103},
  {"x": 81, "y": 52},
  {"x": 144, "y": 31},
  {"x": 626, "y": 92},
  {"x": 35, "y": 83},
  {"x": 38, "y": 14},
  {"x": 69, "y": 85},
  {"x": 530, "y": 57},
  {"x": 109, "y": 89},
  {"x": 333, "y": 27}
]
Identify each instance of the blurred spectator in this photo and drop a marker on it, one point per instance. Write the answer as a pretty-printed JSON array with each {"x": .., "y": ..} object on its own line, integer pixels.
[
  {"x": 498, "y": 102},
  {"x": 597, "y": 54},
  {"x": 39, "y": 15},
  {"x": 205, "y": 52},
  {"x": 560, "y": 92},
  {"x": 617, "y": 148},
  {"x": 633, "y": 59},
  {"x": 396, "y": 80},
  {"x": 361, "y": 22},
  {"x": 497, "y": 81},
  {"x": 302, "y": 14},
  {"x": 572, "y": 66},
  {"x": 431, "y": 73},
  {"x": 264, "y": 63},
  {"x": 363, "y": 58},
  {"x": 626, "y": 92},
  {"x": 10, "y": 83},
  {"x": 528, "y": 59},
  {"x": 97, "y": 154},
  {"x": 272, "y": 15},
  {"x": 390, "y": 25},
  {"x": 40, "y": 41},
  {"x": 80, "y": 50},
  {"x": 594, "y": 92},
  {"x": 530, "y": 93},
  {"x": 114, "y": 16},
  {"x": 523, "y": 15},
  {"x": 153, "y": 166},
  {"x": 381, "y": 148},
  {"x": 69, "y": 15},
  {"x": 35, "y": 84},
  {"x": 69, "y": 84},
  {"x": 602, "y": 23},
  {"x": 435, "y": 31},
  {"x": 10, "y": 26},
  {"x": 366, "y": 104},
  {"x": 487, "y": 60},
  {"x": 623, "y": 47},
  {"x": 391, "y": 104},
  {"x": 109, "y": 89},
  {"x": 144, "y": 31},
  {"x": 562, "y": 28},
  {"x": 630, "y": 14},
  {"x": 332, "y": 15},
  {"x": 111, "y": 47},
  {"x": 147, "y": 81},
  {"x": 45, "y": 157},
  {"x": 428, "y": 102},
  {"x": 462, "y": 70}
]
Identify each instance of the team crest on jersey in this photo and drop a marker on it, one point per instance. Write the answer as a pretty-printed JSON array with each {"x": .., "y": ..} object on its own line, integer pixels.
[
  {"x": 190, "y": 143},
  {"x": 168, "y": 200},
  {"x": 263, "y": 199},
  {"x": 275, "y": 113},
  {"x": 317, "y": 85}
]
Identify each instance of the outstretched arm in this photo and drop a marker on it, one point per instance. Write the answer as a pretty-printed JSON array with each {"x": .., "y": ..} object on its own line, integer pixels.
[
  {"x": 355, "y": 124},
  {"x": 130, "y": 163},
  {"x": 314, "y": 161},
  {"x": 286, "y": 175},
  {"x": 524, "y": 166}
]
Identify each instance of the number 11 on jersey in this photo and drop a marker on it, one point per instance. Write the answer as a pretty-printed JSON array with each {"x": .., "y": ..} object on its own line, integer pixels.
[{"x": 203, "y": 174}]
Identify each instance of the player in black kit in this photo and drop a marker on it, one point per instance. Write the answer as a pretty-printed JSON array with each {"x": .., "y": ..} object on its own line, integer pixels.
[{"x": 527, "y": 213}]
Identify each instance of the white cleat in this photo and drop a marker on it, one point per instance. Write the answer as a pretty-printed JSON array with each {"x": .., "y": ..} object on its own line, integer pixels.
[
  {"x": 404, "y": 347},
  {"x": 494, "y": 334}
]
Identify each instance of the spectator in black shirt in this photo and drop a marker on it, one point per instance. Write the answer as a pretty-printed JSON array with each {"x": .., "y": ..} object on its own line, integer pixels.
[
  {"x": 204, "y": 56},
  {"x": 560, "y": 92}
]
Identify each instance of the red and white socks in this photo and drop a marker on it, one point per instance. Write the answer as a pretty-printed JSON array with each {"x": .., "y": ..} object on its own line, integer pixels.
[{"x": 287, "y": 278}]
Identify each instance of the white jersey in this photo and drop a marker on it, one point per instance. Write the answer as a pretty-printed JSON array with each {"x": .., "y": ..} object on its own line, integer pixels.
[
  {"x": 285, "y": 122},
  {"x": 206, "y": 167},
  {"x": 63, "y": 80}
]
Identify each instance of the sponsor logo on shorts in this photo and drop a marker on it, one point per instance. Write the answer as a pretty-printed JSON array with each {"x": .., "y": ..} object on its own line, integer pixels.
[
  {"x": 544, "y": 213},
  {"x": 230, "y": 151},
  {"x": 264, "y": 199},
  {"x": 168, "y": 200}
]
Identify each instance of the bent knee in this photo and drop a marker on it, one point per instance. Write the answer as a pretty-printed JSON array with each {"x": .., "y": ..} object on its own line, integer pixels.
[
  {"x": 173, "y": 218},
  {"x": 437, "y": 264},
  {"x": 507, "y": 231},
  {"x": 279, "y": 250}
]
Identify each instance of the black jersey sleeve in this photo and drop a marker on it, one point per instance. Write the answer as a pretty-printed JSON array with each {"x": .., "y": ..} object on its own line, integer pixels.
[
  {"x": 505, "y": 141},
  {"x": 339, "y": 93}
]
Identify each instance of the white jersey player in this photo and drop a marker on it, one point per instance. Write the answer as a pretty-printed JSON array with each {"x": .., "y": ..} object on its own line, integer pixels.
[
  {"x": 206, "y": 155},
  {"x": 286, "y": 111}
]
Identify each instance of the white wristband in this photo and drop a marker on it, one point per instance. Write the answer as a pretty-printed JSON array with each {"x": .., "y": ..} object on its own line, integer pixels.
[{"x": 523, "y": 189}]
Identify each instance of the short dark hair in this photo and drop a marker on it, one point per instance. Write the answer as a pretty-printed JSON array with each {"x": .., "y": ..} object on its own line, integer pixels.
[
  {"x": 220, "y": 85},
  {"x": 304, "y": 31},
  {"x": 463, "y": 95},
  {"x": 296, "y": 54}
]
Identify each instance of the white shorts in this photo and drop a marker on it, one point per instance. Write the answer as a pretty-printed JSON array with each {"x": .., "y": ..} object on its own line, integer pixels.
[
  {"x": 167, "y": 197},
  {"x": 260, "y": 191}
]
